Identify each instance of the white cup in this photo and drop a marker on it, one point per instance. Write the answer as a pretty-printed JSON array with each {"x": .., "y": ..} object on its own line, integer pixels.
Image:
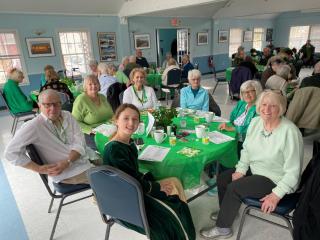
[
  {"x": 159, "y": 136},
  {"x": 200, "y": 130},
  {"x": 140, "y": 129},
  {"x": 209, "y": 117}
]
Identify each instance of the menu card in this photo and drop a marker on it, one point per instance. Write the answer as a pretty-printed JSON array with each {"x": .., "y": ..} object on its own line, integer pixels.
[
  {"x": 218, "y": 137},
  {"x": 154, "y": 153}
]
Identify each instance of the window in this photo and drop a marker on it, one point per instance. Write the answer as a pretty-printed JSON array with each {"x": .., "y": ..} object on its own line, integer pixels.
[
  {"x": 298, "y": 36},
  {"x": 10, "y": 55},
  {"x": 315, "y": 37},
  {"x": 258, "y": 34},
  {"x": 76, "y": 51},
  {"x": 235, "y": 40}
]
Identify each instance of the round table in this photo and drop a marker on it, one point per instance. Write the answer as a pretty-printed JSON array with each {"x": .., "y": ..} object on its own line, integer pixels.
[{"x": 187, "y": 169}]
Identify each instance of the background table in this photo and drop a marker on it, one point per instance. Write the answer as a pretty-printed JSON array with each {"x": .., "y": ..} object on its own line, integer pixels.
[
  {"x": 154, "y": 79},
  {"x": 187, "y": 169}
]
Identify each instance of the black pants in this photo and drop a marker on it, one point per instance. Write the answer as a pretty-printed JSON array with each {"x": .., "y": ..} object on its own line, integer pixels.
[{"x": 231, "y": 192}]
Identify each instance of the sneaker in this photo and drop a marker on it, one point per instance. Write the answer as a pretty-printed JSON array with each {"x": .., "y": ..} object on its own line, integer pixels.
[
  {"x": 216, "y": 233},
  {"x": 214, "y": 216},
  {"x": 213, "y": 192},
  {"x": 211, "y": 181}
]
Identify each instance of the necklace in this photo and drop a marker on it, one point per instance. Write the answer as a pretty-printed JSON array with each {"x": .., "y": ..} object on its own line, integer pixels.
[
  {"x": 143, "y": 98},
  {"x": 265, "y": 133}
]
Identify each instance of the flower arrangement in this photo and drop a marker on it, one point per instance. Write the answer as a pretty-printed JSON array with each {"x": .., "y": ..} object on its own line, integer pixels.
[{"x": 164, "y": 116}]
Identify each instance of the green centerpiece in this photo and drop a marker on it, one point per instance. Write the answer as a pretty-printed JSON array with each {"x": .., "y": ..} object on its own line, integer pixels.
[{"x": 164, "y": 116}]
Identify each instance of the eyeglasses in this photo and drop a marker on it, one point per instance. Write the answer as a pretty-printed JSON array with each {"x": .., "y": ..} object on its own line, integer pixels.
[
  {"x": 54, "y": 104},
  {"x": 249, "y": 91}
]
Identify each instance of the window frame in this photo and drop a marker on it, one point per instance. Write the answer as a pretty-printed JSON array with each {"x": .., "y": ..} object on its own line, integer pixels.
[
  {"x": 298, "y": 47},
  {"x": 241, "y": 37},
  {"x": 69, "y": 30},
  {"x": 262, "y": 37},
  {"x": 26, "y": 81}
]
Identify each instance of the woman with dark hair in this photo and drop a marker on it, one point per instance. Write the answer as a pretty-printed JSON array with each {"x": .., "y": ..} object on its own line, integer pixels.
[{"x": 166, "y": 208}]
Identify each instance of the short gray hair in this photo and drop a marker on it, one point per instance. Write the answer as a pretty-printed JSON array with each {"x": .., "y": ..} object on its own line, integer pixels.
[
  {"x": 250, "y": 84},
  {"x": 15, "y": 73},
  {"x": 276, "y": 95},
  {"x": 194, "y": 73},
  {"x": 284, "y": 72},
  {"x": 47, "y": 92}
]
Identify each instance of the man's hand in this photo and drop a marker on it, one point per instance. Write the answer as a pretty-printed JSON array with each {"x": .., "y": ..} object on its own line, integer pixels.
[
  {"x": 166, "y": 187},
  {"x": 56, "y": 169},
  {"x": 236, "y": 176},
  {"x": 270, "y": 203}
]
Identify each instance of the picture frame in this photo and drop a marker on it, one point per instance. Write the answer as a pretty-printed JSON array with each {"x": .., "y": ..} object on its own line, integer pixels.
[
  {"x": 223, "y": 36},
  {"x": 142, "y": 41},
  {"x": 107, "y": 46},
  {"x": 248, "y": 36},
  {"x": 202, "y": 38},
  {"x": 269, "y": 34},
  {"x": 40, "y": 47}
]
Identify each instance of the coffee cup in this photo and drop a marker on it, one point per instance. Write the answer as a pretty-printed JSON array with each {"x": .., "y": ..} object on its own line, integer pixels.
[
  {"x": 159, "y": 136},
  {"x": 209, "y": 117},
  {"x": 200, "y": 131}
]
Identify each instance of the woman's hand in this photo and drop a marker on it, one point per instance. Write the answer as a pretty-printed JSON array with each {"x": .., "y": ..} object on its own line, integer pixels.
[
  {"x": 270, "y": 203},
  {"x": 224, "y": 126},
  {"x": 236, "y": 176},
  {"x": 166, "y": 187}
]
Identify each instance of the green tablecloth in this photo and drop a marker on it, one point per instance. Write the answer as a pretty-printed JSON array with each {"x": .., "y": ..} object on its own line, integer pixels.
[
  {"x": 73, "y": 90},
  {"x": 229, "y": 71},
  {"x": 154, "y": 79},
  {"x": 187, "y": 169}
]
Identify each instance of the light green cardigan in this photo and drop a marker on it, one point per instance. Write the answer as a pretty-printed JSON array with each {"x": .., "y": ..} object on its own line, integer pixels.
[
  {"x": 278, "y": 157},
  {"x": 88, "y": 114}
]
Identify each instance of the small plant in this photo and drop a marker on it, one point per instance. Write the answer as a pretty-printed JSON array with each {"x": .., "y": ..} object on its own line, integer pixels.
[
  {"x": 68, "y": 81},
  {"x": 164, "y": 116}
]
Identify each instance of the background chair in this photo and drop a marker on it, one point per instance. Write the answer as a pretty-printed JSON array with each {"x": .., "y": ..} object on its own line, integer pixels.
[
  {"x": 65, "y": 190},
  {"x": 119, "y": 197},
  {"x": 238, "y": 76},
  {"x": 17, "y": 117},
  {"x": 173, "y": 82},
  {"x": 113, "y": 94}
]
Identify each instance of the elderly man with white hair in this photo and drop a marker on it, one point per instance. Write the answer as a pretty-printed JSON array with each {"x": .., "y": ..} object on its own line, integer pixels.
[
  {"x": 131, "y": 65},
  {"x": 314, "y": 80},
  {"x": 194, "y": 96},
  {"x": 105, "y": 79},
  {"x": 58, "y": 139}
]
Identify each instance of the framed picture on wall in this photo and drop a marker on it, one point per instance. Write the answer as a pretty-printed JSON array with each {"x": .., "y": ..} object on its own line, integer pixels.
[
  {"x": 269, "y": 34},
  {"x": 202, "y": 38},
  {"x": 107, "y": 46},
  {"x": 40, "y": 47},
  {"x": 247, "y": 36},
  {"x": 141, "y": 41},
  {"x": 223, "y": 36}
]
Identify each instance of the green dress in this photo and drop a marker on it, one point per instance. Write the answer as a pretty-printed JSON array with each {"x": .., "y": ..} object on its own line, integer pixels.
[
  {"x": 15, "y": 98},
  {"x": 163, "y": 224}
]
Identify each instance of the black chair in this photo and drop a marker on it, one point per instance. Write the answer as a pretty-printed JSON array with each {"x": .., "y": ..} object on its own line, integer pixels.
[
  {"x": 65, "y": 190},
  {"x": 17, "y": 117},
  {"x": 113, "y": 94},
  {"x": 173, "y": 82},
  {"x": 119, "y": 197}
]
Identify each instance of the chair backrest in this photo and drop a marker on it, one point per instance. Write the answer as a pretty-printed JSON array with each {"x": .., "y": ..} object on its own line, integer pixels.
[
  {"x": 113, "y": 94},
  {"x": 119, "y": 196},
  {"x": 174, "y": 76},
  {"x": 34, "y": 156},
  {"x": 238, "y": 76},
  {"x": 3, "y": 96}
]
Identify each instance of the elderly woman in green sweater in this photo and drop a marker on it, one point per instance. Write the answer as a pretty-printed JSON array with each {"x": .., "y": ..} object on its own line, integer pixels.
[
  {"x": 15, "y": 98},
  {"x": 91, "y": 108},
  {"x": 269, "y": 167},
  {"x": 244, "y": 111}
]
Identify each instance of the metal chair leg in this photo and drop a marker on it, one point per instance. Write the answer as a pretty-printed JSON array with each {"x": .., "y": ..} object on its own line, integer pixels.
[
  {"x": 243, "y": 218},
  {"x": 290, "y": 229},
  {"x": 13, "y": 124},
  {"x": 56, "y": 219},
  {"x": 51, "y": 202},
  {"x": 110, "y": 222}
]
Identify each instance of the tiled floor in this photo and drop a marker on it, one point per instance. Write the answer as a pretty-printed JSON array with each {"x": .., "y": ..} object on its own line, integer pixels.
[{"x": 82, "y": 220}]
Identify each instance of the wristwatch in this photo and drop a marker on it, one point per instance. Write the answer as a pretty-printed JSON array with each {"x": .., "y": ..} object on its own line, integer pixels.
[{"x": 70, "y": 162}]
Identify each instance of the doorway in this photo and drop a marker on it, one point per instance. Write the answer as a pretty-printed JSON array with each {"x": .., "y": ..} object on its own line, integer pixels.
[{"x": 174, "y": 41}]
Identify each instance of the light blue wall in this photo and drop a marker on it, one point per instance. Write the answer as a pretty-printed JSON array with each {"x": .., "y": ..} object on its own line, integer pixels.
[
  {"x": 221, "y": 50},
  {"x": 140, "y": 25},
  {"x": 286, "y": 20},
  {"x": 166, "y": 36}
]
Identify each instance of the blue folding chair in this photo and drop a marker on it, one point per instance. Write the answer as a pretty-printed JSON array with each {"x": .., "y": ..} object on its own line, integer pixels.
[
  {"x": 65, "y": 190},
  {"x": 119, "y": 197}
]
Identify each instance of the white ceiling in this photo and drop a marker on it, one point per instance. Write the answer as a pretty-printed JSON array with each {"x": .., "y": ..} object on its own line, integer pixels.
[{"x": 163, "y": 8}]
